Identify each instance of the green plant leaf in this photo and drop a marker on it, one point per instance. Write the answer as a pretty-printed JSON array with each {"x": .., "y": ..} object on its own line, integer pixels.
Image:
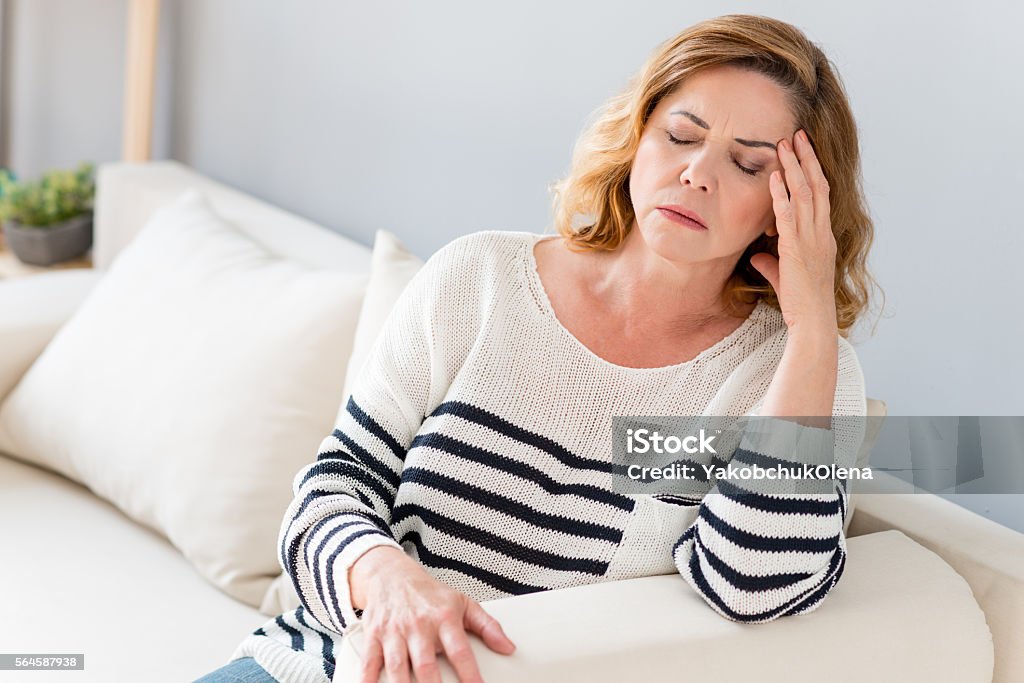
[{"x": 58, "y": 195}]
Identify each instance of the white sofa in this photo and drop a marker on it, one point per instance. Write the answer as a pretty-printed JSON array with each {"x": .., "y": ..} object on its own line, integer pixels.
[{"x": 931, "y": 591}]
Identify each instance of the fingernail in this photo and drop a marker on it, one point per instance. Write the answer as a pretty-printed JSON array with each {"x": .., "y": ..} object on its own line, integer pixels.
[{"x": 803, "y": 136}]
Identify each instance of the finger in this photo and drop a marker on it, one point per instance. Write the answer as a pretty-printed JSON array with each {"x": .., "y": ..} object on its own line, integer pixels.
[
  {"x": 815, "y": 177},
  {"x": 767, "y": 265},
  {"x": 785, "y": 218},
  {"x": 487, "y": 627},
  {"x": 396, "y": 660},
  {"x": 423, "y": 654},
  {"x": 459, "y": 653},
  {"x": 373, "y": 660},
  {"x": 801, "y": 197}
]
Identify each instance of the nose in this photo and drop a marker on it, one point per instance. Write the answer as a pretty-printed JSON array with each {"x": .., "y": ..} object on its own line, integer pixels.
[{"x": 697, "y": 171}]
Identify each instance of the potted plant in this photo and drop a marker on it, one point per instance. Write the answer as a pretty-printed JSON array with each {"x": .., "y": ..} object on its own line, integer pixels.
[{"x": 49, "y": 220}]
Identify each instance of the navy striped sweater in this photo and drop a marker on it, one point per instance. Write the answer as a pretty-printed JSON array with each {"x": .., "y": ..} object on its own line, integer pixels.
[{"x": 476, "y": 438}]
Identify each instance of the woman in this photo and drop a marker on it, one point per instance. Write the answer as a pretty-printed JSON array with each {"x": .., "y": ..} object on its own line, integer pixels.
[{"x": 472, "y": 461}]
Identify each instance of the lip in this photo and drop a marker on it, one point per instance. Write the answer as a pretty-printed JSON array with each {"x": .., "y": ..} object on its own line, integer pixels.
[{"x": 683, "y": 216}]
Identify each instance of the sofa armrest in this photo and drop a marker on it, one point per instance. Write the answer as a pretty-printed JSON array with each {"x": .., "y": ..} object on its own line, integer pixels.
[
  {"x": 32, "y": 309},
  {"x": 988, "y": 555},
  {"x": 899, "y": 613}
]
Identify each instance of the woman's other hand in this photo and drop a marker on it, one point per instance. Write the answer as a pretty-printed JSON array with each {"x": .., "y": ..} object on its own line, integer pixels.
[
  {"x": 803, "y": 276},
  {"x": 409, "y": 617}
]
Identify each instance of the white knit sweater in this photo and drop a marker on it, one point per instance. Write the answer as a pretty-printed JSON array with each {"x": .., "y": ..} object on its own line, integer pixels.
[{"x": 476, "y": 439}]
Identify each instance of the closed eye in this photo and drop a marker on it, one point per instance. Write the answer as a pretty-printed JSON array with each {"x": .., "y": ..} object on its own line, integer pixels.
[{"x": 674, "y": 140}]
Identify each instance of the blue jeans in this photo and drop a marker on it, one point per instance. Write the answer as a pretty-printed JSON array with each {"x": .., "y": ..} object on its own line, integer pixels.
[{"x": 244, "y": 670}]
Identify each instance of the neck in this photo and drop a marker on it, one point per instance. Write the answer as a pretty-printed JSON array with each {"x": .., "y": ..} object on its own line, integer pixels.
[{"x": 643, "y": 290}]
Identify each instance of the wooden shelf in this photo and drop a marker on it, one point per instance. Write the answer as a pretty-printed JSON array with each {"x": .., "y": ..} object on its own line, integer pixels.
[{"x": 11, "y": 267}]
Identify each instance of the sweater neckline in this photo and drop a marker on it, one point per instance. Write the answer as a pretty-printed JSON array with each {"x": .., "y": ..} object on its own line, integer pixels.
[{"x": 540, "y": 296}]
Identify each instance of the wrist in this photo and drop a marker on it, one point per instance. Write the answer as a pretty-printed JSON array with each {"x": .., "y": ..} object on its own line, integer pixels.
[
  {"x": 816, "y": 356},
  {"x": 369, "y": 569},
  {"x": 820, "y": 334},
  {"x": 819, "y": 320}
]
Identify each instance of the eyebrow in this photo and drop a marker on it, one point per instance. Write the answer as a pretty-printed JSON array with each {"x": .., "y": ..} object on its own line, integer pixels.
[{"x": 700, "y": 122}]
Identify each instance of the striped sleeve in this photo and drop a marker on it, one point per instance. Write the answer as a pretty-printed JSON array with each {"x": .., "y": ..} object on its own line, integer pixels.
[
  {"x": 760, "y": 550},
  {"x": 343, "y": 501}
]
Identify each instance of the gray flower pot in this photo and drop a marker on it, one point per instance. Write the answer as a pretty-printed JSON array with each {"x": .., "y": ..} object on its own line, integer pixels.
[{"x": 46, "y": 245}]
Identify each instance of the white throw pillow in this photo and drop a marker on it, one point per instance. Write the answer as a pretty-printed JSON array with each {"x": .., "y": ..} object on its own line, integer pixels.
[
  {"x": 199, "y": 375},
  {"x": 393, "y": 265}
]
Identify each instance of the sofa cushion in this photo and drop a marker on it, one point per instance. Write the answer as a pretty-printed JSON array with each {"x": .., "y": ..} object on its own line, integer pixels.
[
  {"x": 80, "y": 577},
  {"x": 392, "y": 266},
  {"x": 899, "y": 613},
  {"x": 199, "y": 375},
  {"x": 32, "y": 309}
]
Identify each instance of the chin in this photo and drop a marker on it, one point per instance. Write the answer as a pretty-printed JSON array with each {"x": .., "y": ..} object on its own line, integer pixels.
[{"x": 670, "y": 241}]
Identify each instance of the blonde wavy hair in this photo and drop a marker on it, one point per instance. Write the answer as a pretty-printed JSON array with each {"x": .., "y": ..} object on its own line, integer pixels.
[{"x": 597, "y": 186}]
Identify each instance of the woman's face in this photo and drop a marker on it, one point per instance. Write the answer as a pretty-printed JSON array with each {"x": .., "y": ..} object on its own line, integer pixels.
[{"x": 703, "y": 173}]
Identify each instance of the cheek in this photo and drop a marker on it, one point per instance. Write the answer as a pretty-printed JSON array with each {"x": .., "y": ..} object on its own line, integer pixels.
[
  {"x": 763, "y": 209},
  {"x": 650, "y": 173},
  {"x": 753, "y": 202},
  {"x": 748, "y": 205},
  {"x": 759, "y": 214}
]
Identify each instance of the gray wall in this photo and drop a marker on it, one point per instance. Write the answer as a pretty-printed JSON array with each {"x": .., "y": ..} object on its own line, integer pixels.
[
  {"x": 437, "y": 119},
  {"x": 61, "y": 83},
  {"x": 65, "y": 66}
]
